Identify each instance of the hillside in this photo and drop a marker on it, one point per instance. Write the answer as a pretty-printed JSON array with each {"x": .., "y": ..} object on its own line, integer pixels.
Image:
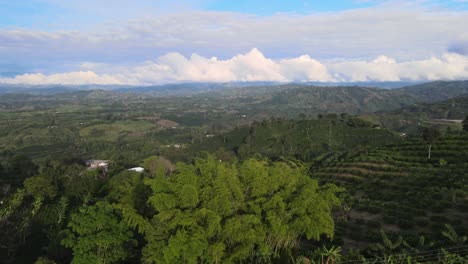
[
  {"x": 293, "y": 99},
  {"x": 398, "y": 189},
  {"x": 337, "y": 99},
  {"x": 435, "y": 91},
  {"x": 303, "y": 139},
  {"x": 444, "y": 114}
]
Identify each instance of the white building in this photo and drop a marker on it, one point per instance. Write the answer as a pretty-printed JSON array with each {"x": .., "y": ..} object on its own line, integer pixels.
[
  {"x": 137, "y": 169},
  {"x": 94, "y": 164}
]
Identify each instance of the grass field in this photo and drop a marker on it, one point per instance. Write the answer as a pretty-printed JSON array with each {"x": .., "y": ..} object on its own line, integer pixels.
[{"x": 112, "y": 131}]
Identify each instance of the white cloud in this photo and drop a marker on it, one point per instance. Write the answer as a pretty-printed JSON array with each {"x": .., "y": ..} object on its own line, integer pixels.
[
  {"x": 71, "y": 78},
  {"x": 304, "y": 68},
  {"x": 449, "y": 66},
  {"x": 254, "y": 66}
]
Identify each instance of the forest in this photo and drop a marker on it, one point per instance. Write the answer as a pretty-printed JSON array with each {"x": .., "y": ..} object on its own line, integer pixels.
[{"x": 258, "y": 174}]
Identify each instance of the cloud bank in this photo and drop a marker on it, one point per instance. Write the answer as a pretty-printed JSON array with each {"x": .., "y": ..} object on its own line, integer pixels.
[{"x": 255, "y": 66}]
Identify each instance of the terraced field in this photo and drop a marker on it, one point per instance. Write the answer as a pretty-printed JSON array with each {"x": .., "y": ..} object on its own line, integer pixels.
[{"x": 397, "y": 188}]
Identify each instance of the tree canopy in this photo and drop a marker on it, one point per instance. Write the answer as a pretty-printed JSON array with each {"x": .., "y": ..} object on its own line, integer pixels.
[
  {"x": 215, "y": 212},
  {"x": 96, "y": 235}
]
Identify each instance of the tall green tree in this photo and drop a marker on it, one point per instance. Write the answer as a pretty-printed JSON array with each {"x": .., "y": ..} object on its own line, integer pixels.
[
  {"x": 430, "y": 136},
  {"x": 215, "y": 212},
  {"x": 97, "y": 235}
]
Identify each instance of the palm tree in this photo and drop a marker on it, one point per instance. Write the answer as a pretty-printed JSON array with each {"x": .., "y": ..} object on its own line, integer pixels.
[
  {"x": 387, "y": 246},
  {"x": 331, "y": 255},
  {"x": 422, "y": 245}
]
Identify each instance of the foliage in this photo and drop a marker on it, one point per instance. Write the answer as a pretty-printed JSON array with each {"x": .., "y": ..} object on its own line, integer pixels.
[
  {"x": 96, "y": 235},
  {"x": 330, "y": 255},
  {"x": 158, "y": 166},
  {"x": 452, "y": 235},
  {"x": 40, "y": 187},
  {"x": 388, "y": 246},
  {"x": 430, "y": 135},
  {"x": 217, "y": 212}
]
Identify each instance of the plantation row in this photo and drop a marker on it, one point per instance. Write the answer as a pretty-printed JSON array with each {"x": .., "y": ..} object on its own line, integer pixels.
[{"x": 401, "y": 191}]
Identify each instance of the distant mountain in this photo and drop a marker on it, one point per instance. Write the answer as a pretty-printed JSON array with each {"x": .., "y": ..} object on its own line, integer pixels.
[
  {"x": 180, "y": 89},
  {"x": 345, "y": 99},
  {"x": 186, "y": 89},
  {"x": 267, "y": 98},
  {"x": 338, "y": 99},
  {"x": 53, "y": 89},
  {"x": 385, "y": 85},
  {"x": 154, "y": 90},
  {"x": 436, "y": 91},
  {"x": 453, "y": 108}
]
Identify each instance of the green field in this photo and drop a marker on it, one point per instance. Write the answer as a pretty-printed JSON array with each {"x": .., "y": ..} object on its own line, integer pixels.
[{"x": 111, "y": 132}]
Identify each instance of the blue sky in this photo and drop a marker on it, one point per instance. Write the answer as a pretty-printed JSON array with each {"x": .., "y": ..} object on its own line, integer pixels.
[
  {"x": 275, "y": 6},
  {"x": 57, "y": 14},
  {"x": 132, "y": 41}
]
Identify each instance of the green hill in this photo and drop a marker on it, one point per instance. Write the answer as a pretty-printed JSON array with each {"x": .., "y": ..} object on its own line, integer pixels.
[
  {"x": 435, "y": 91},
  {"x": 351, "y": 100},
  {"x": 302, "y": 139},
  {"x": 454, "y": 108}
]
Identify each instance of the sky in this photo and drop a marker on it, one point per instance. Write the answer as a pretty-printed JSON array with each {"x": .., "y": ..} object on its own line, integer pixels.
[{"x": 144, "y": 42}]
